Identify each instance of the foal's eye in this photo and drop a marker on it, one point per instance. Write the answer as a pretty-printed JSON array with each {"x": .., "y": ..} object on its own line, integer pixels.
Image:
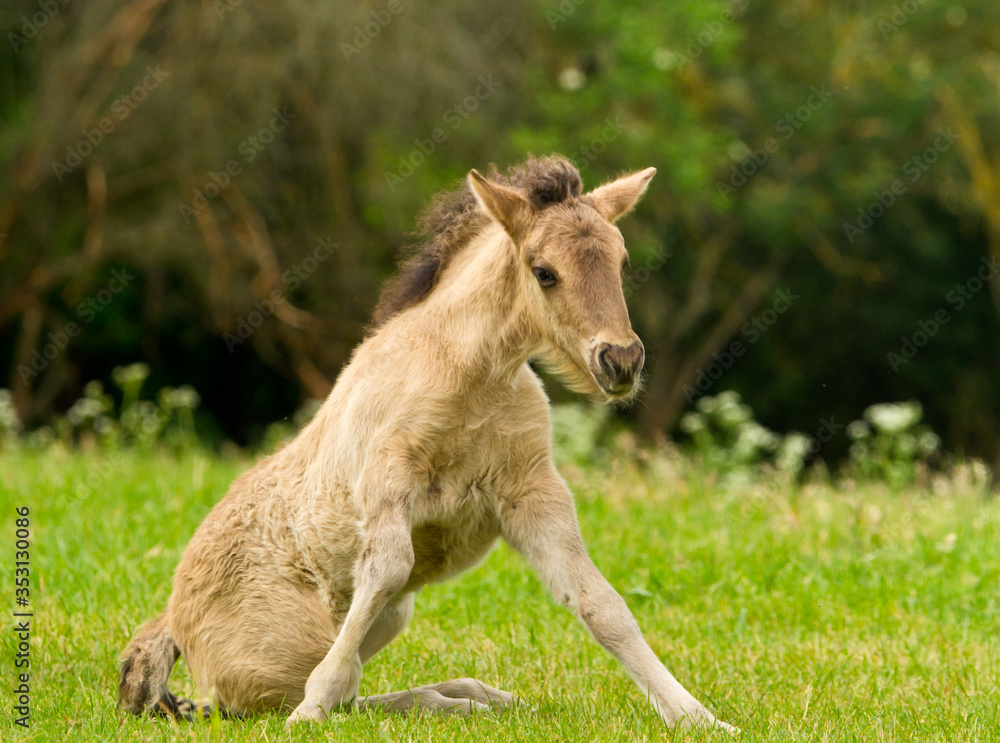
[{"x": 545, "y": 277}]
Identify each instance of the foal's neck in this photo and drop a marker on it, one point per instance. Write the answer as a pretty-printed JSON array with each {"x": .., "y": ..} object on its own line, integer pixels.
[
  {"x": 475, "y": 329},
  {"x": 480, "y": 305}
]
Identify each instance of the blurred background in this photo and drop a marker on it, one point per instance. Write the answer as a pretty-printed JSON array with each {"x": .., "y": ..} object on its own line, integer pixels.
[{"x": 217, "y": 189}]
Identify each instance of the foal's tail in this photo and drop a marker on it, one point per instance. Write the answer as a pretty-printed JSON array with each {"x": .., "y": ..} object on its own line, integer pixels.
[{"x": 146, "y": 665}]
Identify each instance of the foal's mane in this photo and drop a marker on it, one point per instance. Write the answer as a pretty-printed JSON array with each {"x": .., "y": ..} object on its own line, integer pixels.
[{"x": 453, "y": 219}]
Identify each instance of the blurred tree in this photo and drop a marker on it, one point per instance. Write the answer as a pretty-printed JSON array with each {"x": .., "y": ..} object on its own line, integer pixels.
[
  {"x": 827, "y": 183},
  {"x": 823, "y": 198},
  {"x": 213, "y": 148}
]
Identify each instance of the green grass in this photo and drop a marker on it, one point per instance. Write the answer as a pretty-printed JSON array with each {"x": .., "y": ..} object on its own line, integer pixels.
[{"x": 795, "y": 613}]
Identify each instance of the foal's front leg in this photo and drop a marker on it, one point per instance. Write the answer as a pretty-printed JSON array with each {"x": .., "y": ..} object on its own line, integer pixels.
[
  {"x": 382, "y": 572},
  {"x": 542, "y": 526}
]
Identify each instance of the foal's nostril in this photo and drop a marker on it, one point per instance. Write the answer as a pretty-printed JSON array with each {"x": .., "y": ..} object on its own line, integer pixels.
[
  {"x": 607, "y": 363},
  {"x": 633, "y": 357},
  {"x": 617, "y": 366}
]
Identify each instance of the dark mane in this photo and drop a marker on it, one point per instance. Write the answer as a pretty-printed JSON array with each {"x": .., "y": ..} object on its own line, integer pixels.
[{"x": 453, "y": 218}]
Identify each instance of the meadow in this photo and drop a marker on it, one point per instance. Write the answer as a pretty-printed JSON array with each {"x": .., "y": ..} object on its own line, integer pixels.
[{"x": 808, "y": 612}]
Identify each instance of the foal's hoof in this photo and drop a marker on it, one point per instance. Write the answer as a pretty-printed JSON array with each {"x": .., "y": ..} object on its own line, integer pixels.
[
  {"x": 715, "y": 723},
  {"x": 308, "y": 711},
  {"x": 731, "y": 729},
  {"x": 699, "y": 717}
]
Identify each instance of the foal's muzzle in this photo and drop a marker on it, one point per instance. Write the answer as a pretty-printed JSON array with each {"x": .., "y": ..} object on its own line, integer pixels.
[{"x": 617, "y": 367}]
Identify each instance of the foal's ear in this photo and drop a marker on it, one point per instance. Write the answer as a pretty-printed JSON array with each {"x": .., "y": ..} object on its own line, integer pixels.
[
  {"x": 505, "y": 205},
  {"x": 616, "y": 199}
]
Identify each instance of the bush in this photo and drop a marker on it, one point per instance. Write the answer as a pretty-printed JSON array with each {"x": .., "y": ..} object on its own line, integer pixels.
[
  {"x": 891, "y": 444},
  {"x": 94, "y": 421},
  {"x": 724, "y": 437}
]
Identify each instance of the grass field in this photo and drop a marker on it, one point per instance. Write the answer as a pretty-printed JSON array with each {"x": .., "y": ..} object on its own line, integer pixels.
[{"x": 807, "y": 614}]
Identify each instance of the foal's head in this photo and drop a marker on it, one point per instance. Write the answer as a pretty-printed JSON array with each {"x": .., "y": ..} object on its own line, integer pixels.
[{"x": 570, "y": 262}]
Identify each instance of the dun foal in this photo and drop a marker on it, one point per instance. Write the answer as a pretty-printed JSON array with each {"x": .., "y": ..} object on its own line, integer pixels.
[{"x": 434, "y": 442}]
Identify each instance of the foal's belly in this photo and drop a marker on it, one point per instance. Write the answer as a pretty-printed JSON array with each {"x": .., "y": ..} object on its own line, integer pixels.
[{"x": 453, "y": 531}]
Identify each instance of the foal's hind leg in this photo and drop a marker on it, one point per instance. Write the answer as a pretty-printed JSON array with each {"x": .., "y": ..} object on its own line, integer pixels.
[
  {"x": 472, "y": 690},
  {"x": 459, "y": 696}
]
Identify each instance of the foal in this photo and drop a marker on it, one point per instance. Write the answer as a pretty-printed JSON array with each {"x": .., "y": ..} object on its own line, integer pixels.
[{"x": 434, "y": 442}]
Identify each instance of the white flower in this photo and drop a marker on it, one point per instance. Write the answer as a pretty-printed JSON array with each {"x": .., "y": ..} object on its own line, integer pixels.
[
  {"x": 93, "y": 389},
  {"x": 133, "y": 373},
  {"x": 894, "y": 417},
  {"x": 572, "y": 78},
  {"x": 84, "y": 409},
  {"x": 729, "y": 397},
  {"x": 752, "y": 437},
  {"x": 707, "y": 404},
  {"x": 9, "y": 421},
  {"x": 182, "y": 397},
  {"x": 692, "y": 422},
  {"x": 796, "y": 443},
  {"x": 733, "y": 414},
  {"x": 858, "y": 430},
  {"x": 928, "y": 442},
  {"x": 792, "y": 452}
]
